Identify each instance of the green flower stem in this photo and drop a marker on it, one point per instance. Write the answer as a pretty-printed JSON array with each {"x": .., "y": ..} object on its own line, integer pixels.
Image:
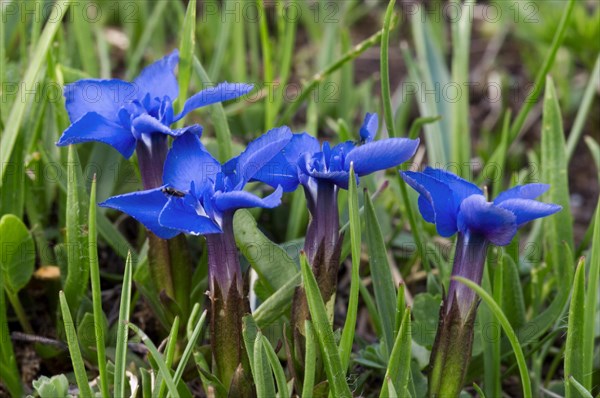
[
  {"x": 451, "y": 351},
  {"x": 229, "y": 305}
]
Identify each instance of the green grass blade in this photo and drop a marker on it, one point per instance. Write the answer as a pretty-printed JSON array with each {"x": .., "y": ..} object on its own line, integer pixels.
[
  {"x": 310, "y": 359},
  {"x": 76, "y": 242},
  {"x": 263, "y": 377},
  {"x": 385, "y": 70},
  {"x": 75, "y": 353},
  {"x": 219, "y": 118},
  {"x": 461, "y": 46},
  {"x": 398, "y": 369},
  {"x": 383, "y": 285},
  {"x": 186, "y": 54},
  {"x": 85, "y": 41},
  {"x": 282, "y": 388},
  {"x": 222, "y": 41},
  {"x": 267, "y": 64},
  {"x": 149, "y": 30},
  {"x": 189, "y": 348},
  {"x": 355, "y": 239},
  {"x": 575, "y": 355},
  {"x": 15, "y": 118},
  {"x": 591, "y": 301},
  {"x": 329, "y": 352},
  {"x": 97, "y": 293},
  {"x": 121, "y": 345},
  {"x": 538, "y": 85},
  {"x": 559, "y": 227},
  {"x": 584, "y": 109},
  {"x": 510, "y": 333},
  {"x": 162, "y": 366},
  {"x": 169, "y": 355},
  {"x": 583, "y": 392}
]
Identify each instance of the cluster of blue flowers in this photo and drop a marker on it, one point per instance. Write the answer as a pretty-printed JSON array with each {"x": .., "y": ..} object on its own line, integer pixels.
[{"x": 186, "y": 190}]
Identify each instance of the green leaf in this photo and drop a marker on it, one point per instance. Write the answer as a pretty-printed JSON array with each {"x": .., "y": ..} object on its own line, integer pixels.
[
  {"x": 15, "y": 118},
  {"x": 310, "y": 359},
  {"x": 383, "y": 285},
  {"x": 329, "y": 352},
  {"x": 426, "y": 308},
  {"x": 355, "y": 239},
  {"x": 9, "y": 373},
  {"x": 18, "y": 254},
  {"x": 12, "y": 196},
  {"x": 121, "y": 345},
  {"x": 575, "y": 355},
  {"x": 583, "y": 392},
  {"x": 76, "y": 241},
  {"x": 263, "y": 377},
  {"x": 591, "y": 302},
  {"x": 513, "y": 303},
  {"x": 76, "y": 359},
  {"x": 510, "y": 333},
  {"x": 277, "y": 304},
  {"x": 99, "y": 318},
  {"x": 398, "y": 369},
  {"x": 282, "y": 388},
  {"x": 270, "y": 261},
  {"x": 56, "y": 386}
]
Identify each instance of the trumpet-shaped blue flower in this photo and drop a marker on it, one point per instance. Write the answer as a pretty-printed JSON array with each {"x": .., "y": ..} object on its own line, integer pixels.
[
  {"x": 455, "y": 204},
  {"x": 198, "y": 194},
  {"x": 120, "y": 113},
  {"x": 304, "y": 161}
]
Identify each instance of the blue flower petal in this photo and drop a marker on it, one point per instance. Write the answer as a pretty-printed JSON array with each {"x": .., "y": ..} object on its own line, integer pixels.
[
  {"x": 279, "y": 172},
  {"x": 158, "y": 79},
  {"x": 145, "y": 207},
  {"x": 225, "y": 201},
  {"x": 368, "y": 130},
  {"x": 189, "y": 161},
  {"x": 339, "y": 178},
  {"x": 461, "y": 189},
  {"x": 528, "y": 191},
  {"x": 93, "y": 127},
  {"x": 283, "y": 168},
  {"x": 222, "y": 92},
  {"x": 195, "y": 129},
  {"x": 481, "y": 217},
  {"x": 439, "y": 197},
  {"x": 426, "y": 209},
  {"x": 526, "y": 209},
  {"x": 259, "y": 152},
  {"x": 179, "y": 214},
  {"x": 381, "y": 155},
  {"x": 146, "y": 124},
  {"x": 105, "y": 97}
]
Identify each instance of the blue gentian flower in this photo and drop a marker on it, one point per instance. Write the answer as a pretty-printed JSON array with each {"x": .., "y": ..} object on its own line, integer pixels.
[
  {"x": 304, "y": 161},
  {"x": 120, "y": 113},
  {"x": 455, "y": 204},
  {"x": 322, "y": 170},
  {"x": 198, "y": 195}
]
